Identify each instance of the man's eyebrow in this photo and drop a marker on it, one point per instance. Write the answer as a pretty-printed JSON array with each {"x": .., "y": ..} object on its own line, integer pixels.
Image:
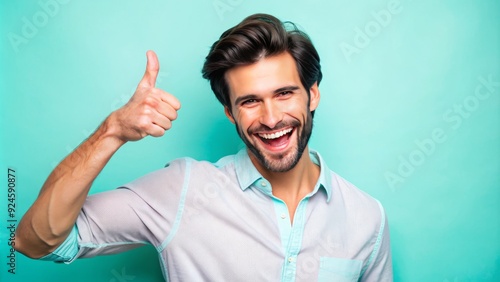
[
  {"x": 253, "y": 96},
  {"x": 286, "y": 88}
]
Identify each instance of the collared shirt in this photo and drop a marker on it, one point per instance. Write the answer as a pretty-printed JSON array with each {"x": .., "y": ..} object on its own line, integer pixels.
[{"x": 221, "y": 222}]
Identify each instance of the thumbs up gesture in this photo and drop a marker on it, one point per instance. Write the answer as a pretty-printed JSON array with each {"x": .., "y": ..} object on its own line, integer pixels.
[{"x": 150, "y": 111}]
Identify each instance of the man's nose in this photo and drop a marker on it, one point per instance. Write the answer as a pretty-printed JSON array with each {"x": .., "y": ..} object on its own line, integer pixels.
[{"x": 271, "y": 114}]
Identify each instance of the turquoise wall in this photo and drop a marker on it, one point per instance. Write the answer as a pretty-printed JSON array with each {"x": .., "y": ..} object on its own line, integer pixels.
[{"x": 410, "y": 113}]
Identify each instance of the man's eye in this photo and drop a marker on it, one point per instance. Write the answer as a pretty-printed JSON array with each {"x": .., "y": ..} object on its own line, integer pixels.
[
  {"x": 249, "y": 101},
  {"x": 284, "y": 93}
]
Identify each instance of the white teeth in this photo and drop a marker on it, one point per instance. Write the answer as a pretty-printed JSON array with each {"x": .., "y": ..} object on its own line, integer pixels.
[{"x": 276, "y": 134}]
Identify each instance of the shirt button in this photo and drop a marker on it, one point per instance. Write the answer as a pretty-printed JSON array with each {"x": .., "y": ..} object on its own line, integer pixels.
[
  {"x": 283, "y": 216},
  {"x": 263, "y": 184},
  {"x": 290, "y": 259}
]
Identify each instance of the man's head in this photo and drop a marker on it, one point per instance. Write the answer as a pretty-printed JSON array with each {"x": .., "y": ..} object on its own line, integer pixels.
[
  {"x": 267, "y": 77},
  {"x": 256, "y": 37}
]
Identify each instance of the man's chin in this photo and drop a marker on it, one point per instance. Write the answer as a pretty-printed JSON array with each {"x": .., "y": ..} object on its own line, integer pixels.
[{"x": 278, "y": 161}]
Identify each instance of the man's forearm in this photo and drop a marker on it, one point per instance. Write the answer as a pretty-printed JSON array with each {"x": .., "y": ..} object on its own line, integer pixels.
[{"x": 49, "y": 221}]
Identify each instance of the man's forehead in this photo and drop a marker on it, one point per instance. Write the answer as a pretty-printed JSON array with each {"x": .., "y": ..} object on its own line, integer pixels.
[{"x": 266, "y": 75}]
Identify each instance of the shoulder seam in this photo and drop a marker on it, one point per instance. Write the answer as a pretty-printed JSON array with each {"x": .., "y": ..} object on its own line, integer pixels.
[
  {"x": 180, "y": 208},
  {"x": 380, "y": 236}
]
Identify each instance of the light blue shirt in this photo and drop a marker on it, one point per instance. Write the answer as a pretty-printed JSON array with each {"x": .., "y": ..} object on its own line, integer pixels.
[{"x": 221, "y": 222}]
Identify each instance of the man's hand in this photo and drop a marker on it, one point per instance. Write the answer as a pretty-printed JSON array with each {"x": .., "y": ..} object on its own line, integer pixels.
[{"x": 150, "y": 111}]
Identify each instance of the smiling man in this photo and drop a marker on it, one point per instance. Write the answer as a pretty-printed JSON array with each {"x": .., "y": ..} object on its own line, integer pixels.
[
  {"x": 271, "y": 212},
  {"x": 272, "y": 112}
]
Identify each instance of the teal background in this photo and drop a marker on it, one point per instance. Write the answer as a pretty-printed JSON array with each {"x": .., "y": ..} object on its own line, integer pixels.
[{"x": 405, "y": 81}]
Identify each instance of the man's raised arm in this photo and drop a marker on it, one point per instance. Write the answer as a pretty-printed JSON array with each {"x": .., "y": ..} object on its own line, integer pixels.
[{"x": 50, "y": 219}]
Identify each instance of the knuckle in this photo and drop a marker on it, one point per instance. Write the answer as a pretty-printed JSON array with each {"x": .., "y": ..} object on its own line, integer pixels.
[
  {"x": 146, "y": 111},
  {"x": 143, "y": 123},
  {"x": 151, "y": 101}
]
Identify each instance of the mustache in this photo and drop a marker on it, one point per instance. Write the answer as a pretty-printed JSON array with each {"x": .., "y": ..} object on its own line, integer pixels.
[{"x": 261, "y": 128}]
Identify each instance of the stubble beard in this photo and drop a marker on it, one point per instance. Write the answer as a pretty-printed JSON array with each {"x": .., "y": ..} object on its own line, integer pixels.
[{"x": 282, "y": 162}]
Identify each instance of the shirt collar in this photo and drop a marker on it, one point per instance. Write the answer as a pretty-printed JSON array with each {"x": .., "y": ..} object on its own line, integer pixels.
[
  {"x": 245, "y": 170},
  {"x": 325, "y": 176},
  {"x": 247, "y": 173}
]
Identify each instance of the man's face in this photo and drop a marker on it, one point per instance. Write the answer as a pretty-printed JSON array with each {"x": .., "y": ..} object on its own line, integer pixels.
[{"x": 272, "y": 110}]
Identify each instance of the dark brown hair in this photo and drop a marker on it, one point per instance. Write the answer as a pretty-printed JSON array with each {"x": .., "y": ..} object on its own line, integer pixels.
[{"x": 256, "y": 37}]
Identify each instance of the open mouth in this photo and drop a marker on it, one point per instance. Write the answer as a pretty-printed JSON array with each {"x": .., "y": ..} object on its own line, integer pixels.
[{"x": 276, "y": 140}]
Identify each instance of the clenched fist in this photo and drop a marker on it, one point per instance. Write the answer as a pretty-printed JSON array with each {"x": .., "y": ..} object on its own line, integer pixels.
[{"x": 150, "y": 111}]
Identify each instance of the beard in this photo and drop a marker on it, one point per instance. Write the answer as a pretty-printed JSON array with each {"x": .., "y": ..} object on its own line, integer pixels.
[{"x": 281, "y": 162}]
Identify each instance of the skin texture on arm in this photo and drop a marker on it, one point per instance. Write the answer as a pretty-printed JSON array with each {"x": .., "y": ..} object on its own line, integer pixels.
[{"x": 50, "y": 219}]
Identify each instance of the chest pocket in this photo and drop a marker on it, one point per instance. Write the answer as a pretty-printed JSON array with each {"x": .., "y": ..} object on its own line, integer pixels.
[{"x": 337, "y": 269}]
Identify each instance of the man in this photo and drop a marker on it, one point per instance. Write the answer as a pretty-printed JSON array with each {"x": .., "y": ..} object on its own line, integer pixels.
[{"x": 272, "y": 212}]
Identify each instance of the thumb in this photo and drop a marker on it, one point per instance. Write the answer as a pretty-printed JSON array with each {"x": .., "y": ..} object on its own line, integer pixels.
[{"x": 152, "y": 68}]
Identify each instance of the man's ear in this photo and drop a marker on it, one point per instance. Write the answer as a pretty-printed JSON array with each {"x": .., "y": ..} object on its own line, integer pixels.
[
  {"x": 314, "y": 97},
  {"x": 228, "y": 113}
]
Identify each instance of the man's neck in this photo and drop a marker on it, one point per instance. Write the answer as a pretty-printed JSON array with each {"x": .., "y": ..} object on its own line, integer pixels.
[{"x": 293, "y": 185}]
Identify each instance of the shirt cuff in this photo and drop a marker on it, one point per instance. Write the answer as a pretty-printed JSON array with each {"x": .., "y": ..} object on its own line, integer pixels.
[{"x": 67, "y": 251}]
